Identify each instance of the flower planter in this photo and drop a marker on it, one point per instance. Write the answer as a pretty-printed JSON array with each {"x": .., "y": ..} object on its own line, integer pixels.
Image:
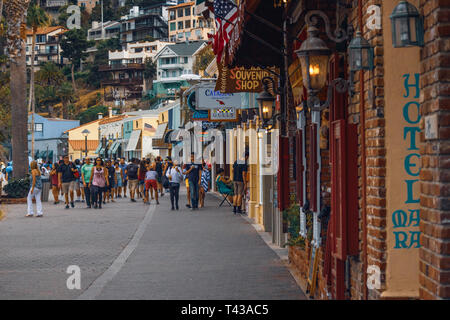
[{"x": 4, "y": 200}]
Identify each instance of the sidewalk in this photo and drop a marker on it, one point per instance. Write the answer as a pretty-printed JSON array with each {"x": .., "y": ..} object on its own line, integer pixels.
[{"x": 133, "y": 251}]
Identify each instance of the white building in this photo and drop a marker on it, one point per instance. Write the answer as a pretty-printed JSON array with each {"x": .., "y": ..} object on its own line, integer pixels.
[
  {"x": 97, "y": 32},
  {"x": 136, "y": 52},
  {"x": 176, "y": 60}
]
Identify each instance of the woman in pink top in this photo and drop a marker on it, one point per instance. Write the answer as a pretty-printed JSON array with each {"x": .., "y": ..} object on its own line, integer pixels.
[{"x": 98, "y": 182}]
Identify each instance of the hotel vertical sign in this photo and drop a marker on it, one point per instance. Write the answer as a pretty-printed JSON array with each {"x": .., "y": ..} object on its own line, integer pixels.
[{"x": 402, "y": 137}]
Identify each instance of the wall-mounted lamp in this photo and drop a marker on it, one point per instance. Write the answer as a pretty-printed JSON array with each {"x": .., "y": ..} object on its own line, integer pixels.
[
  {"x": 266, "y": 104},
  {"x": 407, "y": 26}
]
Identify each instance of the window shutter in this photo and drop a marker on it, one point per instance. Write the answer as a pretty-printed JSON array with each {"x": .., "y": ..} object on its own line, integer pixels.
[
  {"x": 344, "y": 196},
  {"x": 313, "y": 165},
  {"x": 283, "y": 174},
  {"x": 299, "y": 166}
]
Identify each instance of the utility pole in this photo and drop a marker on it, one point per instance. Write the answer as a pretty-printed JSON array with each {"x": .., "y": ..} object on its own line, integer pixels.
[{"x": 103, "y": 29}]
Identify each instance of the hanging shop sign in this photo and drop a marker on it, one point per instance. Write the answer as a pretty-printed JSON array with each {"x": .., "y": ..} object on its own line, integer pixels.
[
  {"x": 240, "y": 79},
  {"x": 200, "y": 115},
  {"x": 207, "y": 98},
  {"x": 223, "y": 114},
  {"x": 296, "y": 80}
]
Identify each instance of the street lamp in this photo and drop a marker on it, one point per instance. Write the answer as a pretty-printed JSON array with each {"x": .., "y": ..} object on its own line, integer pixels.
[
  {"x": 266, "y": 104},
  {"x": 314, "y": 55},
  {"x": 85, "y": 133},
  {"x": 407, "y": 26}
]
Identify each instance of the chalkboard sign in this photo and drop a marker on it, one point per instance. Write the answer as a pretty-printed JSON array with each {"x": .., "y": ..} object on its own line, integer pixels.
[{"x": 312, "y": 275}]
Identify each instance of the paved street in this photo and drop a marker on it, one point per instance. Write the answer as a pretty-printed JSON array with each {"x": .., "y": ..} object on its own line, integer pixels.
[{"x": 133, "y": 251}]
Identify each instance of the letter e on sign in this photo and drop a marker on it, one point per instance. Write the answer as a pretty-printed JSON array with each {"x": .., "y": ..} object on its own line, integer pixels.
[{"x": 74, "y": 280}]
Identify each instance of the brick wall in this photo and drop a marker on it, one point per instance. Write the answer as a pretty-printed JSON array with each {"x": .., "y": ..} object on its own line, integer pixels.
[
  {"x": 435, "y": 153},
  {"x": 375, "y": 168},
  {"x": 375, "y": 161}
]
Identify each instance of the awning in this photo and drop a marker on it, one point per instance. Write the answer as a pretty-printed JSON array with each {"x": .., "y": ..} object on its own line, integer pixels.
[
  {"x": 114, "y": 147},
  {"x": 166, "y": 137},
  {"x": 134, "y": 139},
  {"x": 160, "y": 131},
  {"x": 101, "y": 151},
  {"x": 43, "y": 154},
  {"x": 97, "y": 151},
  {"x": 243, "y": 49}
]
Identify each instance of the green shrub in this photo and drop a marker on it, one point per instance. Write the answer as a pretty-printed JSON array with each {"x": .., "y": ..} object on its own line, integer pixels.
[{"x": 18, "y": 188}]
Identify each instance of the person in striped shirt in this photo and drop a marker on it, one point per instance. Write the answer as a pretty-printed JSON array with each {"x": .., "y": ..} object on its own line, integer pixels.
[{"x": 205, "y": 183}]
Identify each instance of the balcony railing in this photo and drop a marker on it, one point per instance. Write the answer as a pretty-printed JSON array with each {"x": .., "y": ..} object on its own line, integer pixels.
[
  {"x": 130, "y": 96},
  {"x": 122, "y": 66},
  {"x": 47, "y": 52},
  {"x": 123, "y": 82}
]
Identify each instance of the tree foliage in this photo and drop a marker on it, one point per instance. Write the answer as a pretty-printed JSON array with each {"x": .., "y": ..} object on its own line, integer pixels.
[
  {"x": 101, "y": 58},
  {"x": 91, "y": 114},
  {"x": 150, "y": 68}
]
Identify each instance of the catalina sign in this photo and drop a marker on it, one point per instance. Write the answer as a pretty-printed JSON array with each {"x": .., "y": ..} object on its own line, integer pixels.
[{"x": 208, "y": 98}]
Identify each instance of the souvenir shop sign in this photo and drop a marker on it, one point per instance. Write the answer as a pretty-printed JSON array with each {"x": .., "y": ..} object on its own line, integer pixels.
[
  {"x": 242, "y": 79},
  {"x": 209, "y": 98}
]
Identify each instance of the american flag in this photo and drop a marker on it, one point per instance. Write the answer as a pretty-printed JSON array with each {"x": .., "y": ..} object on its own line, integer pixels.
[
  {"x": 226, "y": 14},
  {"x": 149, "y": 127}
]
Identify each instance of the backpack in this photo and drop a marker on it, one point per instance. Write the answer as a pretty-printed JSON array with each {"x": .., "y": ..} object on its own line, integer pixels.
[{"x": 132, "y": 171}]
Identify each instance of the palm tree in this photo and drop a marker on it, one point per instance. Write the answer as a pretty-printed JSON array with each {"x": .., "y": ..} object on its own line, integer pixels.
[
  {"x": 66, "y": 94},
  {"x": 36, "y": 18},
  {"x": 15, "y": 14},
  {"x": 50, "y": 74}
]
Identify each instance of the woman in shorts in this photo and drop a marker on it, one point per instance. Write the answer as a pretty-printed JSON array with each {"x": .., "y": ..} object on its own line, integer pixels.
[
  {"x": 119, "y": 179},
  {"x": 151, "y": 184},
  {"x": 54, "y": 181}
]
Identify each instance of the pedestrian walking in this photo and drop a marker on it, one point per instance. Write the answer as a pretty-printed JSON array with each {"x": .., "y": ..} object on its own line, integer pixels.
[
  {"x": 141, "y": 178},
  {"x": 111, "y": 182},
  {"x": 2, "y": 180},
  {"x": 55, "y": 183},
  {"x": 119, "y": 179},
  {"x": 194, "y": 173},
  {"x": 175, "y": 176},
  {"x": 35, "y": 191},
  {"x": 131, "y": 173},
  {"x": 9, "y": 171},
  {"x": 205, "y": 184},
  {"x": 77, "y": 181},
  {"x": 67, "y": 180},
  {"x": 151, "y": 185},
  {"x": 123, "y": 166},
  {"x": 98, "y": 182},
  {"x": 159, "y": 169},
  {"x": 86, "y": 171},
  {"x": 239, "y": 183}
]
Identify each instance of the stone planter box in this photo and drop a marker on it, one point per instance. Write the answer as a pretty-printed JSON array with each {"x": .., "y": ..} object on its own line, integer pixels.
[
  {"x": 4, "y": 200},
  {"x": 299, "y": 258}
]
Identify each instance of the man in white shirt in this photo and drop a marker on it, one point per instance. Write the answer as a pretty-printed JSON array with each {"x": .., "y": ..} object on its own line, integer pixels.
[{"x": 175, "y": 178}]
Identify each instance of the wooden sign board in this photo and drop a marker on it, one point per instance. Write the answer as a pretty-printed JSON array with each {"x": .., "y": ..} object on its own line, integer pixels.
[
  {"x": 312, "y": 274},
  {"x": 240, "y": 79}
]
